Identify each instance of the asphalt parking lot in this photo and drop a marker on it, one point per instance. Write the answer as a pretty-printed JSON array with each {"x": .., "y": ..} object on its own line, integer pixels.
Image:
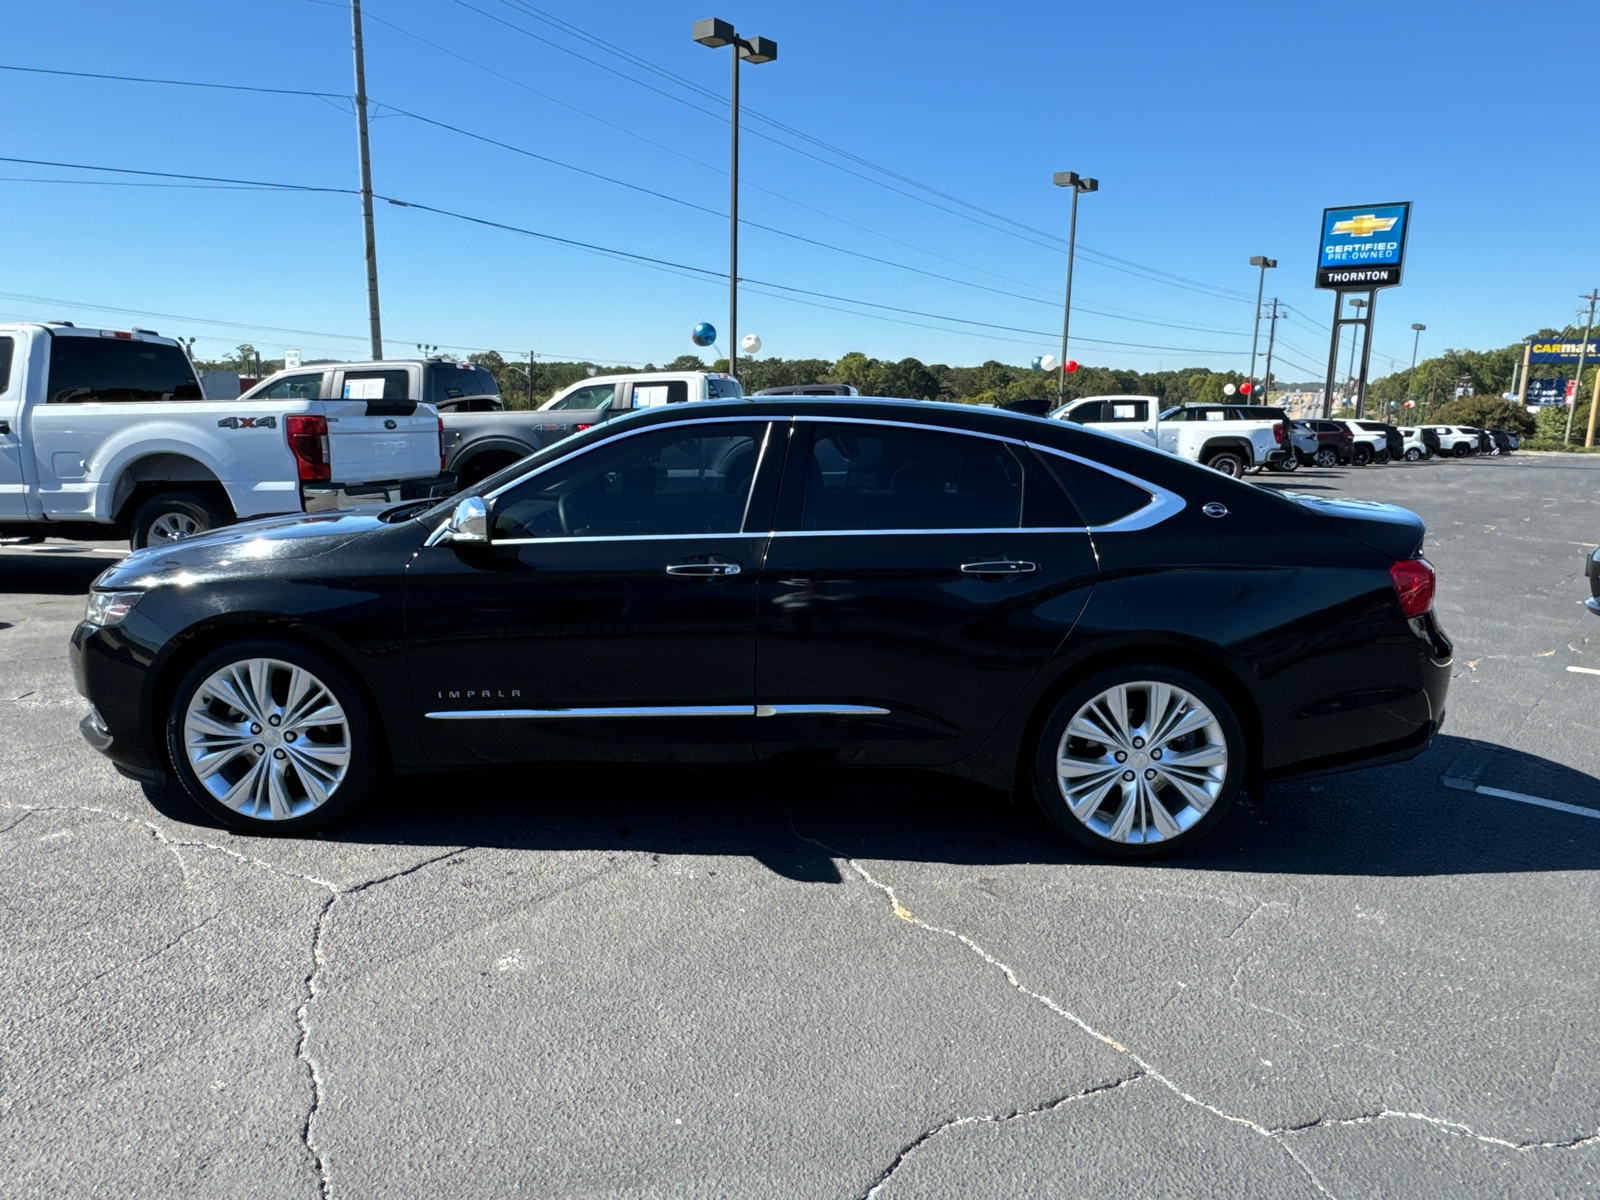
[{"x": 662, "y": 984}]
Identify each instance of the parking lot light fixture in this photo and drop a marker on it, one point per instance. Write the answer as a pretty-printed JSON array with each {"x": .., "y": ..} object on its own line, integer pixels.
[
  {"x": 1415, "y": 341},
  {"x": 1262, "y": 261},
  {"x": 1079, "y": 185},
  {"x": 714, "y": 34}
]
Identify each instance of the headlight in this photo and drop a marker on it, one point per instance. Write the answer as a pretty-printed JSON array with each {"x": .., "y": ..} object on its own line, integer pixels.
[{"x": 107, "y": 609}]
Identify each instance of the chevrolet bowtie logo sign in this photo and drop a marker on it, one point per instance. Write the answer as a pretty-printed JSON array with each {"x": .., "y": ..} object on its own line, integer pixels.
[{"x": 1365, "y": 226}]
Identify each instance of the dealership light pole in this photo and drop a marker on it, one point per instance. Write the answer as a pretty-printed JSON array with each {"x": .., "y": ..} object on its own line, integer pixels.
[
  {"x": 1272, "y": 337},
  {"x": 1577, "y": 382},
  {"x": 376, "y": 328},
  {"x": 1070, "y": 179},
  {"x": 1358, "y": 305},
  {"x": 1262, "y": 261},
  {"x": 1411, "y": 378},
  {"x": 714, "y": 33}
]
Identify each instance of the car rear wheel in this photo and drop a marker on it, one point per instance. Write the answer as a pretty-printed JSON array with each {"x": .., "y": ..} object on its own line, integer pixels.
[
  {"x": 1361, "y": 455},
  {"x": 1289, "y": 462},
  {"x": 1139, "y": 761},
  {"x": 1413, "y": 455},
  {"x": 268, "y": 737},
  {"x": 172, "y": 517},
  {"x": 1462, "y": 450},
  {"x": 1228, "y": 462},
  {"x": 1381, "y": 457},
  {"x": 1326, "y": 456}
]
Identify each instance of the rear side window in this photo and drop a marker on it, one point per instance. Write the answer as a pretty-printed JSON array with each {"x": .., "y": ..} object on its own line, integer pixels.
[
  {"x": 453, "y": 382},
  {"x": 879, "y": 477},
  {"x": 653, "y": 395},
  {"x": 377, "y": 385},
  {"x": 1126, "y": 410},
  {"x": 8, "y": 347},
  {"x": 97, "y": 370},
  {"x": 723, "y": 389},
  {"x": 1101, "y": 497}
]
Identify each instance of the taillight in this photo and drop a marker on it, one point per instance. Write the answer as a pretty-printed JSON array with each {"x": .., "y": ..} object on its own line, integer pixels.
[
  {"x": 1277, "y": 434},
  {"x": 1413, "y": 584},
  {"x": 580, "y": 428},
  {"x": 441, "y": 445},
  {"x": 308, "y": 442}
]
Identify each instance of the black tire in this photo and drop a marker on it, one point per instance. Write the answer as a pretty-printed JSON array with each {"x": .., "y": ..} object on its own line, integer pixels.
[
  {"x": 1326, "y": 456},
  {"x": 1053, "y": 742},
  {"x": 483, "y": 466},
  {"x": 1290, "y": 462},
  {"x": 305, "y": 813},
  {"x": 1228, "y": 462},
  {"x": 1413, "y": 455},
  {"x": 1462, "y": 450},
  {"x": 1361, "y": 455},
  {"x": 171, "y": 517},
  {"x": 1381, "y": 457}
]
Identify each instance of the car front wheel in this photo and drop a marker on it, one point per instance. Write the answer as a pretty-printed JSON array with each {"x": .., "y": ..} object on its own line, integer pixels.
[
  {"x": 1327, "y": 456},
  {"x": 1461, "y": 450},
  {"x": 1227, "y": 462},
  {"x": 1139, "y": 761},
  {"x": 1413, "y": 455},
  {"x": 269, "y": 737}
]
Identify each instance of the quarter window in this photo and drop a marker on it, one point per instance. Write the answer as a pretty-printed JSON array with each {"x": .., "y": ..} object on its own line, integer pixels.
[
  {"x": 679, "y": 480},
  {"x": 1100, "y": 496},
  {"x": 878, "y": 477}
]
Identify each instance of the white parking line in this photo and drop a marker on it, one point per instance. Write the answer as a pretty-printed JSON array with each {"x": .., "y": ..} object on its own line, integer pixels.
[
  {"x": 1583, "y": 670},
  {"x": 1524, "y": 798}
]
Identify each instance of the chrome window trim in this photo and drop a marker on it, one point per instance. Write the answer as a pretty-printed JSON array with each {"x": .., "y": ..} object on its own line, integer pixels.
[
  {"x": 627, "y": 433},
  {"x": 665, "y": 710},
  {"x": 777, "y": 533},
  {"x": 561, "y": 540},
  {"x": 978, "y": 433}
]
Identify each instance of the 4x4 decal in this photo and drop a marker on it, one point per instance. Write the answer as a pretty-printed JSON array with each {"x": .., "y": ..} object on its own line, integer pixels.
[{"x": 248, "y": 423}]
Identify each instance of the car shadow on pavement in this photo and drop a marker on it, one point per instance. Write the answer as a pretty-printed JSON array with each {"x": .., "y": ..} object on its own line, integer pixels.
[
  {"x": 1386, "y": 821},
  {"x": 50, "y": 574}
]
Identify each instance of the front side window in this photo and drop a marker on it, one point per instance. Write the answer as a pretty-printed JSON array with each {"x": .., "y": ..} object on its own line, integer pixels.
[
  {"x": 880, "y": 477},
  {"x": 293, "y": 387},
  {"x": 7, "y": 351},
  {"x": 87, "y": 370},
  {"x": 595, "y": 395},
  {"x": 684, "y": 479},
  {"x": 1084, "y": 413}
]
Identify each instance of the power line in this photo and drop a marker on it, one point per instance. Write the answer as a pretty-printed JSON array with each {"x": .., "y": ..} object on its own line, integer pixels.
[{"x": 229, "y": 87}]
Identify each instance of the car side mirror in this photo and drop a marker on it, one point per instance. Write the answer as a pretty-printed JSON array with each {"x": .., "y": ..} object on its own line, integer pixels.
[{"x": 469, "y": 523}]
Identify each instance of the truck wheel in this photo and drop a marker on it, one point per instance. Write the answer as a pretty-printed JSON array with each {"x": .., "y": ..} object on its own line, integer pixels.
[
  {"x": 171, "y": 517},
  {"x": 1228, "y": 462},
  {"x": 1361, "y": 456}
]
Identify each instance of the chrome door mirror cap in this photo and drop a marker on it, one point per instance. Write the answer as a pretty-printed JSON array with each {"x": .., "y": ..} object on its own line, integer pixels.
[{"x": 467, "y": 524}]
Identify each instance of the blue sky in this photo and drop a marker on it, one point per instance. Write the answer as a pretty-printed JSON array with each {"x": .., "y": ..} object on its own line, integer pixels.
[{"x": 1217, "y": 132}]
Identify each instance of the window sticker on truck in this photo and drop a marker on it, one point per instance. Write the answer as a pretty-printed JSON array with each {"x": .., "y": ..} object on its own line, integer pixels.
[{"x": 363, "y": 389}]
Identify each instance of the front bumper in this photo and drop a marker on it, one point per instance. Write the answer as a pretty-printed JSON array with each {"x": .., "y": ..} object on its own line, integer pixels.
[{"x": 325, "y": 497}]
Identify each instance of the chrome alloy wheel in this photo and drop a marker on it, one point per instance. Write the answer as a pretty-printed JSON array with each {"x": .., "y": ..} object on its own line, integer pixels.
[
  {"x": 267, "y": 739},
  {"x": 1142, "y": 762},
  {"x": 173, "y": 527}
]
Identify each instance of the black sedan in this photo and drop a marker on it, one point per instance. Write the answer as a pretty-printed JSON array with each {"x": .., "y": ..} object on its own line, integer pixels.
[{"x": 844, "y": 583}]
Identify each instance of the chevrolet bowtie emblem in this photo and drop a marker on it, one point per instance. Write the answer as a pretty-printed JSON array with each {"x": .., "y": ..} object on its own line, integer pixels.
[{"x": 1365, "y": 226}]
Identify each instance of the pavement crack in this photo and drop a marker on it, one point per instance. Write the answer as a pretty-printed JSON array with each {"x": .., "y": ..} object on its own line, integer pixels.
[
  {"x": 1049, "y": 1106},
  {"x": 302, "y": 1050},
  {"x": 1146, "y": 1068},
  {"x": 404, "y": 871}
]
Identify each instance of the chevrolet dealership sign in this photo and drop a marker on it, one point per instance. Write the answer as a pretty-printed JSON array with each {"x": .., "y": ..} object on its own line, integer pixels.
[{"x": 1363, "y": 246}]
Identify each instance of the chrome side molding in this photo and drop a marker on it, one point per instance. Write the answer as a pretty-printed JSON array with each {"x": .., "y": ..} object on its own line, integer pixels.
[{"x": 672, "y": 710}]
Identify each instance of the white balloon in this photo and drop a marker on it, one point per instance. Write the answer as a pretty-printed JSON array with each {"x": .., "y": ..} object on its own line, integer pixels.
[
  {"x": 1228, "y": 389},
  {"x": 751, "y": 343},
  {"x": 1048, "y": 362}
]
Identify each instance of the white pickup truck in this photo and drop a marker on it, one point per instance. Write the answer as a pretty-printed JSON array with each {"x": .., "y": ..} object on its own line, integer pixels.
[
  {"x": 1232, "y": 438},
  {"x": 107, "y": 433}
]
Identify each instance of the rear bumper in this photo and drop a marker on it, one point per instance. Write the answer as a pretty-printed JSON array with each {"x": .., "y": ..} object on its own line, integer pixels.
[{"x": 323, "y": 497}]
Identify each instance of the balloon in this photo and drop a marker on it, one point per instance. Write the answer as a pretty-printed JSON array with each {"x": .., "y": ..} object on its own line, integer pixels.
[
  {"x": 1070, "y": 365},
  {"x": 1244, "y": 389},
  {"x": 1036, "y": 362},
  {"x": 1228, "y": 389},
  {"x": 751, "y": 343},
  {"x": 1047, "y": 362},
  {"x": 1410, "y": 404},
  {"x": 704, "y": 334}
]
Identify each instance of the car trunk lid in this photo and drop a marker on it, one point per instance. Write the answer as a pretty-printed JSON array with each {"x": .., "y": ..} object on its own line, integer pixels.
[{"x": 1387, "y": 528}]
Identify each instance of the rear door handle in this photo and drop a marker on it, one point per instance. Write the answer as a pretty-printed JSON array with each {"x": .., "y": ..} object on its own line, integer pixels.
[
  {"x": 703, "y": 570},
  {"x": 1006, "y": 569}
]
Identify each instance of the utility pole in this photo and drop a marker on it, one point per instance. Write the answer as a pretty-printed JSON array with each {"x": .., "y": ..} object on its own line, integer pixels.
[
  {"x": 1272, "y": 337},
  {"x": 366, "y": 184},
  {"x": 1577, "y": 384},
  {"x": 531, "y": 357},
  {"x": 1259, "y": 260}
]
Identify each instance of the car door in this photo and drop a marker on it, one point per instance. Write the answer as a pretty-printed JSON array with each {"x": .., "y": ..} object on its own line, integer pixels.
[
  {"x": 917, "y": 579},
  {"x": 13, "y": 485},
  {"x": 611, "y": 615}
]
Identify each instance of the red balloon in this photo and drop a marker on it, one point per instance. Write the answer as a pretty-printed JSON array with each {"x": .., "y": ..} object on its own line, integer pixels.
[
  {"x": 1070, "y": 365},
  {"x": 1244, "y": 389}
]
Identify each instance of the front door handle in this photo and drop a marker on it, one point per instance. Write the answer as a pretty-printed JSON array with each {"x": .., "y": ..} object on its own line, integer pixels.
[
  {"x": 703, "y": 569},
  {"x": 1005, "y": 569}
]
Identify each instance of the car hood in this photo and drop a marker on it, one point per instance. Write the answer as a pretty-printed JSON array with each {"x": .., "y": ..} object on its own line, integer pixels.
[
  {"x": 272, "y": 540},
  {"x": 1387, "y": 528}
]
